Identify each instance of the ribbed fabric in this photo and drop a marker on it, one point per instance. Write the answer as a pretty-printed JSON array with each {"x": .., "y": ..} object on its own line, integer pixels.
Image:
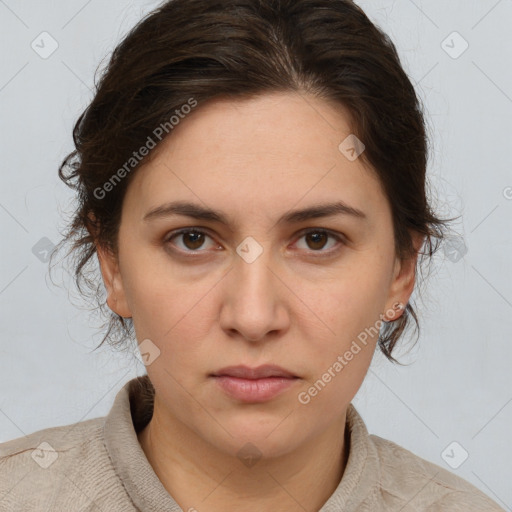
[{"x": 99, "y": 465}]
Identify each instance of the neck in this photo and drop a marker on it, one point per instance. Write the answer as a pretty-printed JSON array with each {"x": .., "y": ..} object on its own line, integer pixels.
[{"x": 199, "y": 476}]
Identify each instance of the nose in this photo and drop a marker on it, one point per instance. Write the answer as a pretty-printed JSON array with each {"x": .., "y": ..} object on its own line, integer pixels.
[{"x": 254, "y": 299}]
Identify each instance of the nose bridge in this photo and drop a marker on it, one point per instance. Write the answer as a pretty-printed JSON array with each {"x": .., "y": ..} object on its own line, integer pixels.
[
  {"x": 251, "y": 304},
  {"x": 252, "y": 273}
]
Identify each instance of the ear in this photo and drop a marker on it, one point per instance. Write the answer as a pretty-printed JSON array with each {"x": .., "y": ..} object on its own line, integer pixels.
[
  {"x": 110, "y": 273},
  {"x": 403, "y": 281},
  {"x": 116, "y": 298}
]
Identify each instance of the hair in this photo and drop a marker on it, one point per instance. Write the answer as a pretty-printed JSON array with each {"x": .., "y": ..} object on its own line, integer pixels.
[{"x": 188, "y": 51}]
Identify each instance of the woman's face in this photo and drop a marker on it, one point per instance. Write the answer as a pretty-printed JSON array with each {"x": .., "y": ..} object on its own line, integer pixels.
[{"x": 255, "y": 288}]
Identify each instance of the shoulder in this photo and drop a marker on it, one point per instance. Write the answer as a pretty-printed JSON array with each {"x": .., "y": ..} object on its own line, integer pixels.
[
  {"x": 45, "y": 447},
  {"x": 410, "y": 481},
  {"x": 52, "y": 466}
]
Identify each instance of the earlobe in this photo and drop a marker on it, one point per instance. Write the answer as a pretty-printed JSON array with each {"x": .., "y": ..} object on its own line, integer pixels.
[{"x": 112, "y": 279}]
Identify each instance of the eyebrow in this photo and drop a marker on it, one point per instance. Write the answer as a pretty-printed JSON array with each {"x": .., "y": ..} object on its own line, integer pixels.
[{"x": 199, "y": 212}]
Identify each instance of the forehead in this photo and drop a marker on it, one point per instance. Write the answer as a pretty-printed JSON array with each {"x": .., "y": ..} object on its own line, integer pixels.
[
  {"x": 267, "y": 153},
  {"x": 307, "y": 128}
]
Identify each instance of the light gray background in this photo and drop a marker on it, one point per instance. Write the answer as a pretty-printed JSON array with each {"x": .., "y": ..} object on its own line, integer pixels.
[{"x": 458, "y": 387}]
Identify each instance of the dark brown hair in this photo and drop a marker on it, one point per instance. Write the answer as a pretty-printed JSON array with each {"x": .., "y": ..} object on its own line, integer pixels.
[{"x": 188, "y": 52}]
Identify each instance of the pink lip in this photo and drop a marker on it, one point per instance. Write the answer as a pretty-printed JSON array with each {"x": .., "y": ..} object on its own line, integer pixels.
[{"x": 254, "y": 384}]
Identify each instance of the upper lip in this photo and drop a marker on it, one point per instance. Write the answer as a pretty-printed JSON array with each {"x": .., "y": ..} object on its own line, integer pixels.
[{"x": 260, "y": 372}]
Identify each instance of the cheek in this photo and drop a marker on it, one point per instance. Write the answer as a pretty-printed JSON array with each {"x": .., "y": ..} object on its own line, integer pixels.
[
  {"x": 171, "y": 309},
  {"x": 344, "y": 322},
  {"x": 163, "y": 313},
  {"x": 351, "y": 301}
]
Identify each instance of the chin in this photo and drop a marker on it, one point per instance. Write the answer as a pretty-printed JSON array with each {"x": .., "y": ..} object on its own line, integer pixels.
[{"x": 269, "y": 438}]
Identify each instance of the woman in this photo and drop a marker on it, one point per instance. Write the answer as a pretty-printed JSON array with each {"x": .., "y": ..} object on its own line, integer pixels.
[{"x": 251, "y": 176}]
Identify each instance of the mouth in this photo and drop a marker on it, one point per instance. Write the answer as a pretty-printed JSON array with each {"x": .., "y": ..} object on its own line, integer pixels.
[
  {"x": 254, "y": 385},
  {"x": 260, "y": 372}
]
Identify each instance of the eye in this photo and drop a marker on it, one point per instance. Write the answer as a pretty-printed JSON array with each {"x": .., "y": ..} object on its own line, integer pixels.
[
  {"x": 192, "y": 238},
  {"x": 317, "y": 239}
]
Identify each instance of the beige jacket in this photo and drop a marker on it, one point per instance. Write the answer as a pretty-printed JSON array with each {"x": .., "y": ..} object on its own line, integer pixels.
[{"x": 99, "y": 465}]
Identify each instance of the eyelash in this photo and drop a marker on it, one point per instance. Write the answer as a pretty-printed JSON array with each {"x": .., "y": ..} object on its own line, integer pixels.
[{"x": 318, "y": 253}]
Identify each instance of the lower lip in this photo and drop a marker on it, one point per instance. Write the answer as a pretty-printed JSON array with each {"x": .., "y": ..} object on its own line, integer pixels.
[{"x": 254, "y": 390}]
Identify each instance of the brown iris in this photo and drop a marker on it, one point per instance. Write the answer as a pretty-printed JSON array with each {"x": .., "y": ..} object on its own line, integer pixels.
[{"x": 316, "y": 238}]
